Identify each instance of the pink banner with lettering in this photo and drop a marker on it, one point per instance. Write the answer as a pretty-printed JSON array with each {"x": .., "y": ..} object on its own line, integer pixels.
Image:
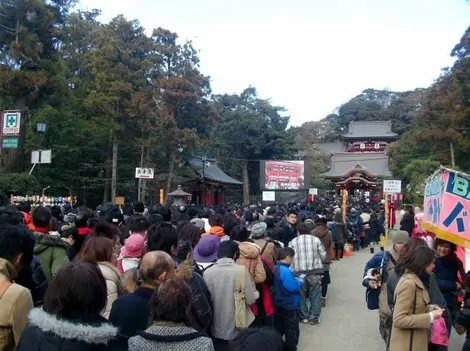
[{"x": 447, "y": 205}]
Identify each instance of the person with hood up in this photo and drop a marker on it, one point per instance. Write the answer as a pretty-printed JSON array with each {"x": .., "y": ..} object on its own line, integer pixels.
[
  {"x": 250, "y": 258},
  {"x": 216, "y": 222},
  {"x": 322, "y": 232},
  {"x": 51, "y": 251}
]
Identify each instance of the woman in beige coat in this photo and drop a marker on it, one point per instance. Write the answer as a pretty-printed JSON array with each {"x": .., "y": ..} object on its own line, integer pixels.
[
  {"x": 100, "y": 250},
  {"x": 412, "y": 314}
]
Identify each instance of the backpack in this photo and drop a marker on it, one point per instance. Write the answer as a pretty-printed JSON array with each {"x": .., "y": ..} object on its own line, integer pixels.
[{"x": 372, "y": 295}]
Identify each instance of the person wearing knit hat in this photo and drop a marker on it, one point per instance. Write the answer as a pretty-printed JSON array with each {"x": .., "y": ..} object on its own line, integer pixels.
[
  {"x": 375, "y": 279},
  {"x": 259, "y": 235}
]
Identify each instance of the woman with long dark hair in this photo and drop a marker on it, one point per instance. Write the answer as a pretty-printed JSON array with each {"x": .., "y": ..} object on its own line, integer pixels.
[{"x": 70, "y": 317}]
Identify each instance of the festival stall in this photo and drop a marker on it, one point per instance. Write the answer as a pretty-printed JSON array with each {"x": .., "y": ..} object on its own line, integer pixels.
[{"x": 447, "y": 209}]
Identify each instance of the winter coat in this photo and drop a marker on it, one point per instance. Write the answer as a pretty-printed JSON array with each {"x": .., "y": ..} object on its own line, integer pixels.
[
  {"x": 131, "y": 312},
  {"x": 287, "y": 288},
  {"x": 222, "y": 295},
  {"x": 447, "y": 270},
  {"x": 250, "y": 258},
  {"x": 341, "y": 232},
  {"x": 376, "y": 229},
  {"x": 289, "y": 233},
  {"x": 51, "y": 253},
  {"x": 47, "y": 332},
  {"x": 27, "y": 221},
  {"x": 409, "y": 326},
  {"x": 15, "y": 304},
  {"x": 113, "y": 285},
  {"x": 164, "y": 336},
  {"x": 322, "y": 232},
  {"x": 356, "y": 224},
  {"x": 201, "y": 310},
  {"x": 270, "y": 251},
  {"x": 407, "y": 223}
]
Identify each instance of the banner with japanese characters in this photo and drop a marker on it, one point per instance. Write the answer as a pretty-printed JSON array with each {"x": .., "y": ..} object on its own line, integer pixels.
[{"x": 447, "y": 205}]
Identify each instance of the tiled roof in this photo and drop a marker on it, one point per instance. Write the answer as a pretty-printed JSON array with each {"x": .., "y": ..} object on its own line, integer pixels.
[
  {"x": 211, "y": 171},
  {"x": 370, "y": 129},
  {"x": 375, "y": 163},
  {"x": 332, "y": 148}
]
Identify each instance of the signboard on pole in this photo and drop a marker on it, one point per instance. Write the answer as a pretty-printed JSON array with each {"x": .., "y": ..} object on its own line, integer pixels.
[
  {"x": 144, "y": 173},
  {"x": 10, "y": 142},
  {"x": 41, "y": 156},
  {"x": 313, "y": 191},
  {"x": 11, "y": 122},
  {"x": 392, "y": 186},
  {"x": 269, "y": 196}
]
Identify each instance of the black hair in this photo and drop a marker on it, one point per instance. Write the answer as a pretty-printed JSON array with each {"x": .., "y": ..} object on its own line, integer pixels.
[
  {"x": 285, "y": 252},
  {"x": 183, "y": 250},
  {"x": 261, "y": 339},
  {"x": 154, "y": 218},
  {"x": 228, "y": 249},
  {"x": 127, "y": 209},
  {"x": 82, "y": 217},
  {"x": 79, "y": 287},
  {"x": 56, "y": 212},
  {"x": 239, "y": 233},
  {"x": 248, "y": 216},
  {"x": 190, "y": 232},
  {"x": 277, "y": 233},
  {"x": 14, "y": 240},
  {"x": 291, "y": 212},
  {"x": 138, "y": 224},
  {"x": 229, "y": 224},
  {"x": 139, "y": 207},
  {"x": 24, "y": 206},
  {"x": 419, "y": 259},
  {"x": 162, "y": 237},
  {"x": 114, "y": 216},
  {"x": 10, "y": 215},
  {"x": 216, "y": 220},
  {"x": 41, "y": 217},
  {"x": 165, "y": 212}
]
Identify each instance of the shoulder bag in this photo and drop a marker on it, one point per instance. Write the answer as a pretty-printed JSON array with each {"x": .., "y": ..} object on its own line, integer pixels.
[{"x": 243, "y": 315}]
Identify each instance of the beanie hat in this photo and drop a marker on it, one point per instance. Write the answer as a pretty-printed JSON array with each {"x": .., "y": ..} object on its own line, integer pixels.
[
  {"x": 400, "y": 236},
  {"x": 258, "y": 230},
  {"x": 198, "y": 222}
]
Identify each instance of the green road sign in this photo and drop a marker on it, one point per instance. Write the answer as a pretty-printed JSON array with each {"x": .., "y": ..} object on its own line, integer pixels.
[{"x": 10, "y": 142}]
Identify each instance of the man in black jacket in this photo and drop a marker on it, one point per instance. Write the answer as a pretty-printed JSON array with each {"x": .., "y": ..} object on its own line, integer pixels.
[{"x": 132, "y": 312}]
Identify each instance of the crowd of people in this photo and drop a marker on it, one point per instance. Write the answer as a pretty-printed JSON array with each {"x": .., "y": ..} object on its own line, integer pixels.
[
  {"x": 420, "y": 288},
  {"x": 136, "y": 278}
]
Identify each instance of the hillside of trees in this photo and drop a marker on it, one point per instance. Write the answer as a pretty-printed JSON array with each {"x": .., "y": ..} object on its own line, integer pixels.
[{"x": 112, "y": 94}]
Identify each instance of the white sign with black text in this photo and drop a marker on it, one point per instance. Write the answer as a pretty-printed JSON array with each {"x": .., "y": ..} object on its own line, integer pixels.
[
  {"x": 392, "y": 186},
  {"x": 144, "y": 173},
  {"x": 269, "y": 196}
]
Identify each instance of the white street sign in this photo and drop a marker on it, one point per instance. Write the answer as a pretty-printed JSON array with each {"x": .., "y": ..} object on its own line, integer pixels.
[
  {"x": 269, "y": 196},
  {"x": 11, "y": 122},
  {"x": 313, "y": 191},
  {"x": 144, "y": 173},
  {"x": 392, "y": 186},
  {"x": 41, "y": 156}
]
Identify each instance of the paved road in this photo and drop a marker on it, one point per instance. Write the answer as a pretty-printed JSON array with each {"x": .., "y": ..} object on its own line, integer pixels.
[{"x": 346, "y": 323}]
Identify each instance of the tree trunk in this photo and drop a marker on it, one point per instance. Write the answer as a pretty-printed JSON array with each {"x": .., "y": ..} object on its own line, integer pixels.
[
  {"x": 114, "y": 171},
  {"x": 107, "y": 170},
  {"x": 452, "y": 155},
  {"x": 246, "y": 183},
  {"x": 139, "y": 187},
  {"x": 170, "y": 175}
]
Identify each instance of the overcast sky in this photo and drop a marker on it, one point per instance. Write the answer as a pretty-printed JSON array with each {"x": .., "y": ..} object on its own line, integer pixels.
[{"x": 308, "y": 55}]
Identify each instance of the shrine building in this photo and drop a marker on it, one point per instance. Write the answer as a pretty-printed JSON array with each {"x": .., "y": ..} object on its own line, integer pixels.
[{"x": 360, "y": 157}]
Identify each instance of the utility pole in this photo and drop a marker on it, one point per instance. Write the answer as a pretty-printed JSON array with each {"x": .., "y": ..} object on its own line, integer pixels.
[
  {"x": 204, "y": 160},
  {"x": 114, "y": 171},
  {"x": 452, "y": 155}
]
